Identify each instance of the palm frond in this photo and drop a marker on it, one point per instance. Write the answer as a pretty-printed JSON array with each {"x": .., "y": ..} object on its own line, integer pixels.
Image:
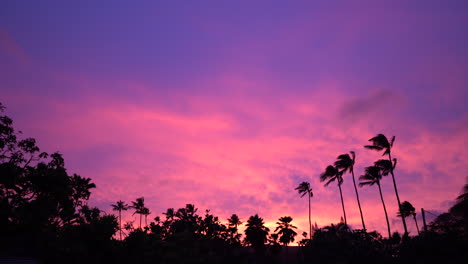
[
  {"x": 330, "y": 181},
  {"x": 371, "y": 147}
]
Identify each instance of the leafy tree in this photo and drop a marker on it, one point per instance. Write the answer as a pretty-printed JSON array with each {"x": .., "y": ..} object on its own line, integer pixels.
[
  {"x": 120, "y": 206},
  {"x": 379, "y": 143},
  {"x": 373, "y": 175},
  {"x": 345, "y": 163},
  {"x": 304, "y": 189},
  {"x": 256, "y": 232},
  {"x": 330, "y": 175}
]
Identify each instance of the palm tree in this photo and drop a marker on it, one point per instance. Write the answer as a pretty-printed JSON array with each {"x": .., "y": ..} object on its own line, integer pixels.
[
  {"x": 170, "y": 213},
  {"x": 331, "y": 174},
  {"x": 256, "y": 232},
  {"x": 407, "y": 209},
  {"x": 120, "y": 206},
  {"x": 345, "y": 163},
  {"x": 373, "y": 175},
  {"x": 304, "y": 189},
  {"x": 139, "y": 206},
  {"x": 379, "y": 143},
  {"x": 234, "y": 221},
  {"x": 145, "y": 211},
  {"x": 286, "y": 231}
]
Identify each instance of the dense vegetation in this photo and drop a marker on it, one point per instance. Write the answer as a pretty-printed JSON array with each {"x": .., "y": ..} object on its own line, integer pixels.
[{"x": 44, "y": 215}]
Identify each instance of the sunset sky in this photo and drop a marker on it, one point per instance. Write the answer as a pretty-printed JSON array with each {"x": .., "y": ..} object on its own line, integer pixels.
[{"x": 231, "y": 104}]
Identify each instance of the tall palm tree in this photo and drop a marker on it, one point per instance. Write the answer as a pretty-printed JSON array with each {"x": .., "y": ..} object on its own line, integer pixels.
[
  {"x": 407, "y": 209},
  {"x": 379, "y": 143},
  {"x": 286, "y": 230},
  {"x": 330, "y": 175},
  {"x": 345, "y": 163},
  {"x": 304, "y": 189},
  {"x": 373, "y": 175},
  {"x": 139, "y": 205},
  {"x": 120, "y": 206},
  {"x": 145, "y": 211}
]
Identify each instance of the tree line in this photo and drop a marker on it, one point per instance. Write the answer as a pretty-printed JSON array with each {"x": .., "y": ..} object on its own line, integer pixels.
[
  {"x": 372, "y": 176},
  {"x": 45, "y": 216}
]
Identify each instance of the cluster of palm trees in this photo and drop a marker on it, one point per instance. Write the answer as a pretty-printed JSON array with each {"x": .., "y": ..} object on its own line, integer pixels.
[
  {"x": 372, "y": 176},
  {"x": 256, "y": 233},
  {"x": 138, "y": 205}
]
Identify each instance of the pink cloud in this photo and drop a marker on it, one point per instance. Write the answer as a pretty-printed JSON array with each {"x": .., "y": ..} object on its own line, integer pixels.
[{"x": 208, "y": 155}]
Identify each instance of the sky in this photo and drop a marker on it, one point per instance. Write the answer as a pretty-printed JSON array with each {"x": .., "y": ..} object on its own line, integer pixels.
[{"x": 229, "y": 105}]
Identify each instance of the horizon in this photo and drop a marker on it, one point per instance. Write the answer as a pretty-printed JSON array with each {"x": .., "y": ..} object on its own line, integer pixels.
[{"x": 229, "y": 106}]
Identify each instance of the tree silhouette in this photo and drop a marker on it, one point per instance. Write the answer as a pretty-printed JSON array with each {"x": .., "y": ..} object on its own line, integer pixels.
[
  {"x": 304, "y": 189},
  {"x": 407, "y": 209},
  {"x": 256, "y": 232},
  {"x": 372, "y": 176},
  {"x": 145, "y": 211},
  {"x": 379, "y": 143},
  {"x": 286, "y": 230},
  {"x": 120, "y": 206},
  {"x": 139, "y": 206},
  {"x": 345, "y": 163},
  {"x": 330, "y": 175},
  {"x": 234, "y": 221}
]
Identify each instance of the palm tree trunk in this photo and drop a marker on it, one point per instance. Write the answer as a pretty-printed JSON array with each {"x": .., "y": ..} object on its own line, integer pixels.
[
  {"x": 385, "y": 210},
  {"x": 416, "y": 222},
  {"x": 358, "y": 202},
  {"x": 120, "y": 224},
  {"x": 310, "y": 222},
  {"x": 397, "y": 196},
  {"x": 342, "y": 204},
  {"x": 140, "y": 221}
]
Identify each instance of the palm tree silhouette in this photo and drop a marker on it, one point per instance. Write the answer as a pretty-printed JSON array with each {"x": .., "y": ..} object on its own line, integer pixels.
[
  {"x": 139, "y": 206},
  {"x": 373, "y": 175},
  {"x": 256, "y": 232},
  {"x": 304, "y": 189},
  {"x": 380, "y": 142},
  {"x": 120, "y": 206},
  {"x": 170, "y": 213},
  {"x": 407, "y": 209},
  {"x": 145, "y": 211},
  {"x": 331, "y": 174},
  {"x": 286, "y": 231},
  {"x": 234, "y": 221},
  {"x": 345, "y": 163}
]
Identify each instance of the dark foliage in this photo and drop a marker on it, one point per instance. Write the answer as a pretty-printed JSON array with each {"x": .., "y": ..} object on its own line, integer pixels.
[{"x": 44, "y": 215}]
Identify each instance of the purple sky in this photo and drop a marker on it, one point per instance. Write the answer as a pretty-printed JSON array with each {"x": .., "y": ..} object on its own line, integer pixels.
[{"x": 231, "y": 104}]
